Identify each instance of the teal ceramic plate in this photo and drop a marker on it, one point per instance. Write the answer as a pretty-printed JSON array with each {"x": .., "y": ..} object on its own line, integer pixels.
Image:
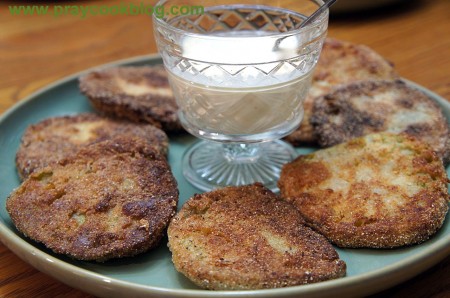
[{"x": 152, "y": 273}]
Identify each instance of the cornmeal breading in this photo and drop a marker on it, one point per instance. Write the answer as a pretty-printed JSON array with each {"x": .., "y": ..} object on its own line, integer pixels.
[
  {"x": 375, "y": 106},
  {"x": 340, "y": 63},
  {"x": 54, "y": 138},
  {"x": 140, "y": 94},
  {"x": 382, "y": 190},
  {"x": 110, "y": 199},
  {"x": 246, "y": 237}
]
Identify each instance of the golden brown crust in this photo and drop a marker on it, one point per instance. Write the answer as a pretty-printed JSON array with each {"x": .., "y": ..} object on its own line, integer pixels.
[
  {"x": 367, "y": 107},
  {"x": 111, "y": 199},
  {"x": 248, "y": 238},
  {"x": 140, "y": 94},
  {"x": 340, "y": 63},
  {"x": 382, "y": 190},
  {"x": 54, "y": 138}
]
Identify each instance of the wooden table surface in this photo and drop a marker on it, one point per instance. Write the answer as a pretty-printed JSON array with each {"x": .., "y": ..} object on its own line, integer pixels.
[{"x": 37, "y": 50}]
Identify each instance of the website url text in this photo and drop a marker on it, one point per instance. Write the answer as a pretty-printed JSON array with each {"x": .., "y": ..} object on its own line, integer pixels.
[{"x": 84, "y": 11}]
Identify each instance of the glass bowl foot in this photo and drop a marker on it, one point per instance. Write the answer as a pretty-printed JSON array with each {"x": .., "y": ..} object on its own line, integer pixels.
[{"x": 209, "y": 165}]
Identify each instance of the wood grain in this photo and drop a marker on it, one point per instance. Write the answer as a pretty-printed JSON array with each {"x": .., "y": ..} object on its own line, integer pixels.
[{"x": 37, "y": 50}]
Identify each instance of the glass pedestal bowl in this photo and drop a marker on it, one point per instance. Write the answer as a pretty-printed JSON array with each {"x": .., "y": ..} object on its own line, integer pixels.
[{"x": 239, "y": 73}]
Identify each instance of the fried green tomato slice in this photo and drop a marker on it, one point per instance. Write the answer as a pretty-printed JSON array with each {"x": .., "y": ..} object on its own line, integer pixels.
[
  {"x": 110, "y": 199},
  {"x": 340, "y": 63},
  {"x": 374, "y": 106},
  {"x": 54, "y": 138},
  {"x": 246, "y": 237},
  {"x": 136, "y": 93},
  {"x": 381, "y": 191}
]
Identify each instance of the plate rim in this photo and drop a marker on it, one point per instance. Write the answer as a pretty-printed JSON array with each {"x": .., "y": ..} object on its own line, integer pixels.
[{"x": 48, "y": 264}]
